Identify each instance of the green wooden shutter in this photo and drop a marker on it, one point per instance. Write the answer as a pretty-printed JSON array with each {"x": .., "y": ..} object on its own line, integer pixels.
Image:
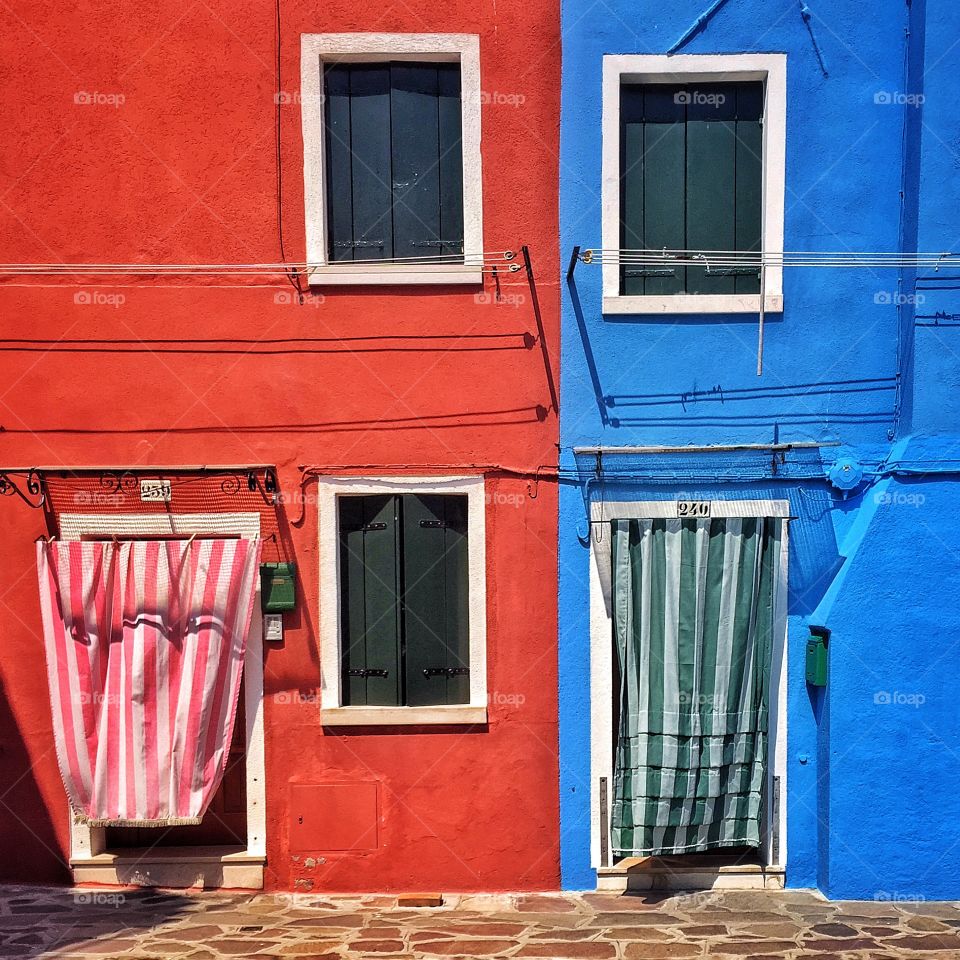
[
  {"x": 451, "y": 158},
  {"x": 711, "y": 182},
  {"x": 339, "y": 176},
  {"x": 749, "y": 177},
  {"x": 415, "y": 128},
  {"x": 369, "y": 601},
  {"x": 435, "y": 589},
  {"x": 371, "y": 169}
]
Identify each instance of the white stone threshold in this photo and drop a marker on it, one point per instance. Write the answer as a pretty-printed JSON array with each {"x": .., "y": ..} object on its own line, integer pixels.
[
  {"x": 220, "y": 867},
  {"x": 685, "y": 873}
]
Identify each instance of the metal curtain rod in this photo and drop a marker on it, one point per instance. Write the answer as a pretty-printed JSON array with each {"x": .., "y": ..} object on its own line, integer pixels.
[{"x": 724, "y": 448}]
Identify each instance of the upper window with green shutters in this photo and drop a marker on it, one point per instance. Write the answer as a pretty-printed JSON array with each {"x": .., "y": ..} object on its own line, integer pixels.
[
  {"x": 394, "y": 161},
  {"x": 693, "y": 183},
  {"x": 691, "y": 179},
  {"x": 391, "y": 126}
]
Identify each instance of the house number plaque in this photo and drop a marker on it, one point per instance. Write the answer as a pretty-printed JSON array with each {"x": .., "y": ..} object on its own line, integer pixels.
[{"x": 693, "y": 509}]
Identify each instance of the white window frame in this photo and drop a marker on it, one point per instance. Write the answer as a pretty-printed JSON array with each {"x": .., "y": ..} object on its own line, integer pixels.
[
  {"x": 90, "y": 860},
  {"x": 332, "y": 710},
  {"x": 319, "y": 48},
  {"x": 621, "y": 69},
  {"x": 602, "y": 760}
]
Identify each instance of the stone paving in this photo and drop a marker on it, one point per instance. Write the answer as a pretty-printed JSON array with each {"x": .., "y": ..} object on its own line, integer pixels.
[{"x": 46, "y": 922}]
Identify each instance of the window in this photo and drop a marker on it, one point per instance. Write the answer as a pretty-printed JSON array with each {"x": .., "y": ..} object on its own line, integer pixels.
[
  {"x": 404, "y": 628},
  {"x": 693, "y": 160},
  {"x": 402, "y": 600},
  {"x": 690, "y": 180},
  {"x": 391, "y": 127},
  {"x": 394, "y": 160}
]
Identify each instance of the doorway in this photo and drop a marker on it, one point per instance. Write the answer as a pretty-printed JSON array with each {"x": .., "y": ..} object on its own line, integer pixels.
[{"x": 688, "y": 623}]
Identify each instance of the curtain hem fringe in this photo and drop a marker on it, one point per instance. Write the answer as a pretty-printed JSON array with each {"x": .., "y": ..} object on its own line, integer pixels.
[{"x": 171, "y": 822}]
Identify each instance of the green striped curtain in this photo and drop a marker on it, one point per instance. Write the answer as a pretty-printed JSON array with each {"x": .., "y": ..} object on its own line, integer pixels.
[{"x": 693, "y": 604}]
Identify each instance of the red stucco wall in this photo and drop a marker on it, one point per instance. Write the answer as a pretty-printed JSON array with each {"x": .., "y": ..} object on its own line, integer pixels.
[{"x": 182, "y": 371}]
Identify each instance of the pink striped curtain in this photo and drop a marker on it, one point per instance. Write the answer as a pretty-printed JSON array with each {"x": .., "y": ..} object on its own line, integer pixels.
[{"x": 144, "y": 643}]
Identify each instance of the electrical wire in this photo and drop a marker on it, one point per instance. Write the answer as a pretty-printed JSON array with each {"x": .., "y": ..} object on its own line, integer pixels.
[
  {"x": 710, "y": 259},
  {"x": 501, "y": 260}
]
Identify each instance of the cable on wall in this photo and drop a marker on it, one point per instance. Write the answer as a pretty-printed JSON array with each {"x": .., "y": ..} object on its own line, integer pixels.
[{"x": 293, "y": 274}]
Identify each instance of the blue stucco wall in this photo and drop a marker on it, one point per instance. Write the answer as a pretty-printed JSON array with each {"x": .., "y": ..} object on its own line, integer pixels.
[{"x": 871, "y": 798}]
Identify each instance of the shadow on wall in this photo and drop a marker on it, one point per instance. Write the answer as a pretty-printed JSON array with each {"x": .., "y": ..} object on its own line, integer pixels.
[
  {"x": 25, "y": 823},
  {"x": 768, "y": 405}
]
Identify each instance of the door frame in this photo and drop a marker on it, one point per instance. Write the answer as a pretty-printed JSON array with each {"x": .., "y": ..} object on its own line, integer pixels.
[
  {"x": 773, "y": 847},
  {"x": 90, "y": 860}
]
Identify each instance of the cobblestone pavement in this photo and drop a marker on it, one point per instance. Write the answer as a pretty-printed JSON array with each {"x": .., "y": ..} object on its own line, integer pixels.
[{"x": 46, "y": 922}]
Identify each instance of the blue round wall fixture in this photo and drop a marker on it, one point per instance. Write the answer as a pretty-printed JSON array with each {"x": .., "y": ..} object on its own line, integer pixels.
[{"x": 846, "y": 473}]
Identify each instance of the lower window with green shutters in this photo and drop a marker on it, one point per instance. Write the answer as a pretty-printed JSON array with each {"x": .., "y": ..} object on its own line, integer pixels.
[{"x": 404, "y": 592}]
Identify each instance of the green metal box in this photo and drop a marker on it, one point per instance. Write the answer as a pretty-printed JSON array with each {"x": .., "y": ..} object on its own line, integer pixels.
[
  {"x": 278, "y": 587},
  {"x": 817, "y": 656}
]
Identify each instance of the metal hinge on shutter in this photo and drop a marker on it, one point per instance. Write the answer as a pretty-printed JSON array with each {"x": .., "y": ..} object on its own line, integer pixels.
[
  {"x": 438, "y": 243},
  {"x": 649, "y": 273},
  {"x": 351, "y": 244},
  {"x": 366, "y": 528},
  {"x": 445, "y": 671},
  {"x": 434, "y": 524},
  {"x": 368, "y": 673}
]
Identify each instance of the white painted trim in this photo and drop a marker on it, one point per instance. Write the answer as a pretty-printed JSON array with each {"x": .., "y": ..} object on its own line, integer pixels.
[
  {"x": 87, "y": 843},
  {"x": 683, "y": 303},
  {"x": 601, "y": 657},
  {"x": 315, "y": 48},
  {"x": 393, "y": 716},
  {"x": 331, "y": 701},
  {"x": 690, "y": 68},
  {"x": 358, "y": 274}
]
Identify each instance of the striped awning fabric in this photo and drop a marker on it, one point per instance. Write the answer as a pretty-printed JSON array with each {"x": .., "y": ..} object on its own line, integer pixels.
[{"x": 144, "y": 645}]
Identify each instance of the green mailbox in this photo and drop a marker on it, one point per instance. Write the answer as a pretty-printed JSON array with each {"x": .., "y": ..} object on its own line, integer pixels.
[
  {"x": 278, "y": 587},
  {"x": 817, "y": 656}
]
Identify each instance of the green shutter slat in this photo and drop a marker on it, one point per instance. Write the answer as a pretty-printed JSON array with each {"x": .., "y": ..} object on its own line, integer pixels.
[
  {"x": 451, "y": 158},
  {"x": 663, "y": 185},
  {"x": 749, "y": 166},
  {"x": 631, "y": 181},
  {"x": 353, "y": 653},
  {"x": 711, "y": 181},
  {"x": 457, "y": 595},
  {"x": 416, "y": 154},
  {"x": 339, "y": 176},
  {"x": 370, "y": 611},
  {"x": 435, "y": 591},
  {"x": 370, "y": 143}
]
